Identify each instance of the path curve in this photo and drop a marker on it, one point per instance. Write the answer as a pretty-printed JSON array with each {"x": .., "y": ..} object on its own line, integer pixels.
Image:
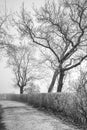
[{"x": 19, "y": 116}]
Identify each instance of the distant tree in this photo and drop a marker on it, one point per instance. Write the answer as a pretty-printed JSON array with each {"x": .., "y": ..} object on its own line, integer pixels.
[
  {"x": 3, "y": 32},
  {"x": 20, "y": 60},
  {"x": 62, "y": 30},
  {"x": 32, "y": 88},
  {"x": 5, "y": 37}
]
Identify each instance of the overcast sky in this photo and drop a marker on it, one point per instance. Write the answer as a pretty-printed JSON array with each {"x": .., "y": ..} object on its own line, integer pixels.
[
  {"x": 15, "y": 5},
  {"x": 12, "y": 6}
]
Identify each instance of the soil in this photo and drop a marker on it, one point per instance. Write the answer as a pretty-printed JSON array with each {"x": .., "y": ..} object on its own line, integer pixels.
[{"x": 20, "y": 116}]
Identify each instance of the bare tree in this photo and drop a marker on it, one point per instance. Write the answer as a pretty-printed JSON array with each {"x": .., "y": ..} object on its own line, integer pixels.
[
  {"x": 62, "y": 30},
  {"x": 3, "y": 33},
  {"x": 6, "y": 38},
  {"x": 20, "y": 59}
]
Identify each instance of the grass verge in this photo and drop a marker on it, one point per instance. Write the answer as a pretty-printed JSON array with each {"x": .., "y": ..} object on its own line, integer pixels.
[{"x": 2, "y": 126}]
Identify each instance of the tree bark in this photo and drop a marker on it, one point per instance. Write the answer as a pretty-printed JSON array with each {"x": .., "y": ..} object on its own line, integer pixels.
[
  {"x": 53, "y": 81},
  {"x": 60, "y": 83},
  {"x": 21, "y": 90}
]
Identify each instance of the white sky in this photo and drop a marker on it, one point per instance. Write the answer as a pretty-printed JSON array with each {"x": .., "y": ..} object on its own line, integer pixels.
[
  {"x": 15, "y": 5},
  {"x": 12, "y": 6},
  {"x": 6, "y": 75}
]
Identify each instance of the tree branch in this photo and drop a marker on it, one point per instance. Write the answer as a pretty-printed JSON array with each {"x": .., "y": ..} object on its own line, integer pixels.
[{"x": 73, "y": 66}]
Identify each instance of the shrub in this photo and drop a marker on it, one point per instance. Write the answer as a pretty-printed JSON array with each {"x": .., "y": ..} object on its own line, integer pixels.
[{"x": 67, "y": 104}]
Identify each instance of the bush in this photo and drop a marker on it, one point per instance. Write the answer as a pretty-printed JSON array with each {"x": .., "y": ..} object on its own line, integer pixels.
[{"x": 66, "y": 104}]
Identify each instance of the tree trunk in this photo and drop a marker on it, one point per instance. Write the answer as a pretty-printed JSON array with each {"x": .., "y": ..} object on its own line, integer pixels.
[
  {"x": 60, "y": 83},
  {"x": 21, "y": 90},
  {"x": 53, "y": 81}
]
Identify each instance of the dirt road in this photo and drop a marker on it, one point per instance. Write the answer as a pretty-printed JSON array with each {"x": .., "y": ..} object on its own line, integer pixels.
[{"x": 19, "y": 116}]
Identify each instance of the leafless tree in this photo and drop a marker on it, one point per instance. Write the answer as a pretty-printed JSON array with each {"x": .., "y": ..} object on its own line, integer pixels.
[
  {"x": 62, "y": 30},
  {"x": 20, "y": 60},
  {"x": 5, "y": 37},
  {"x": 3, "y": 33}
]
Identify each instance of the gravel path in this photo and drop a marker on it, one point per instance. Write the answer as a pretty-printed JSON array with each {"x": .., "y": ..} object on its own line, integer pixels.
[{"x": 19, "y": 116}]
